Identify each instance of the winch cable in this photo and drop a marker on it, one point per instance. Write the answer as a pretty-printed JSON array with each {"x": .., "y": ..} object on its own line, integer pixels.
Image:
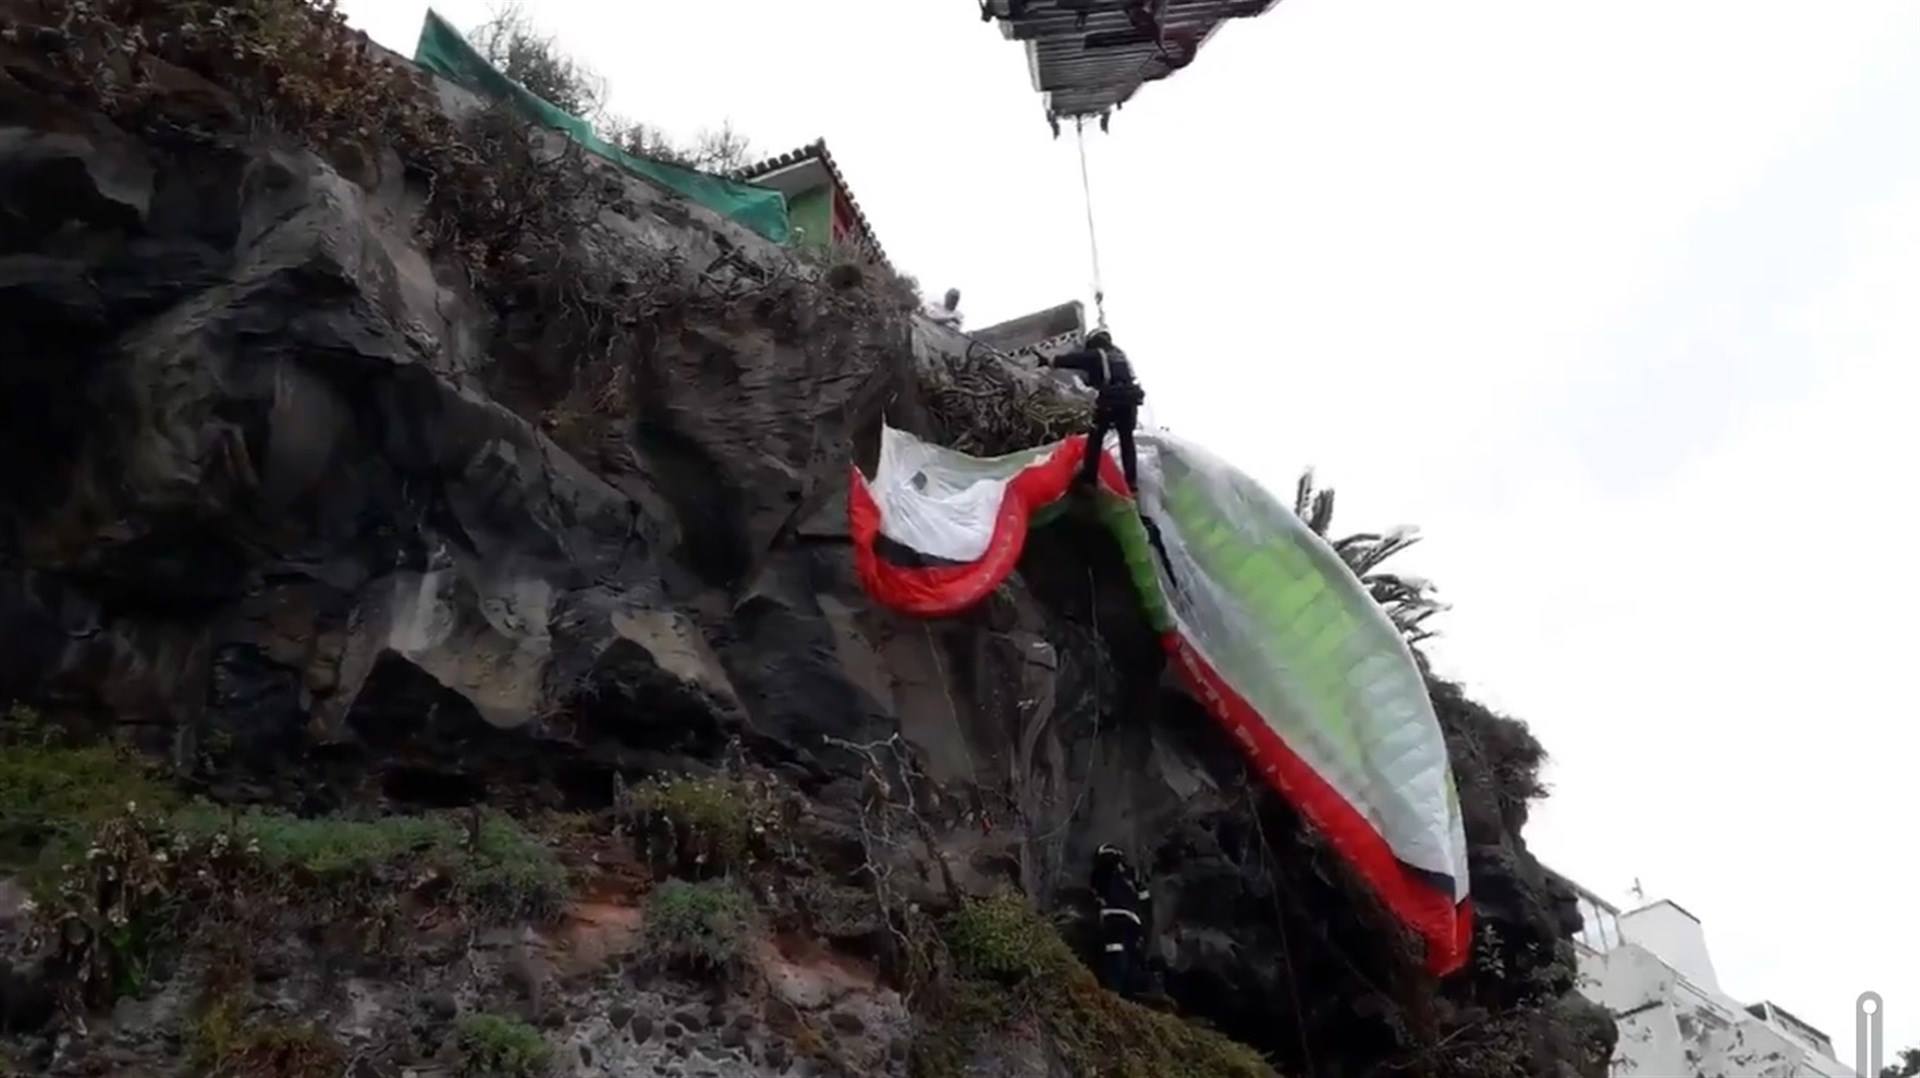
[{"x": 1093, "y": 234}]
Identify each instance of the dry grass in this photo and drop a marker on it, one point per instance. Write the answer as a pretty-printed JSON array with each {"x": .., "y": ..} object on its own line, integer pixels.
[{"x": 987, "y": 404}]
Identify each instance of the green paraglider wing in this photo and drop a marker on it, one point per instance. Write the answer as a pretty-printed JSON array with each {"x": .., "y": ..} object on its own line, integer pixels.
[{"x": 1265, "y": 623}]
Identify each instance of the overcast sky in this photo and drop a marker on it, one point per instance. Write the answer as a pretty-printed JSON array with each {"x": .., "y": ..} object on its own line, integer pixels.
[{"x": 1615, "y": 301}]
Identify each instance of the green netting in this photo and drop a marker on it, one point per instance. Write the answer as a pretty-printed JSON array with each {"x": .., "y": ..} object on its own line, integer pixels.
[{"x": 443, "y": 51}]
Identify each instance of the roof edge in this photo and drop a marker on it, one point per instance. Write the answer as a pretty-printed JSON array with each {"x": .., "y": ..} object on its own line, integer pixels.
[{"x": 817, "y": 151}]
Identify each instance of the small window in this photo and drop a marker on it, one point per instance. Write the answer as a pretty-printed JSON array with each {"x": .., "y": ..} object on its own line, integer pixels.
[
  {"x": 1599, "y": 926},
  {"x": 1609, "y": 928},
  {"x": 1589, "y": 925}
]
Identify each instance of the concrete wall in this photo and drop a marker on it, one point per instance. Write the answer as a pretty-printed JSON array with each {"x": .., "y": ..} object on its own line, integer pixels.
[
  {"x": 1674, "y": 1027},
  {"x": 1676, "y": 936},
  {"x": 1625, "y": 979}
]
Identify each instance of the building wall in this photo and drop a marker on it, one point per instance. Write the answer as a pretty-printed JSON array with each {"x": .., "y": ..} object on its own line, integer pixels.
[
  {"x": 1805, "y": 1035},
  {"x": 1676, "y": 936},
  {"x": 1651, "y": 969},
  {"x": 812, "y": 211},
  {"x": 1751, "y": 1047},
  {"x": 1674, "y": 1027},
  {"x": 1625, "y": 979}
]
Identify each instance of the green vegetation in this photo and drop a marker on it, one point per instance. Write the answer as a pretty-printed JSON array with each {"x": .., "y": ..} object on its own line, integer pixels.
[
  {"x": 493, "y": 1047},
  {"x": 298, "y": 66},
  {"x": 52, "y": 796},
  {"x": 1004, "y": 939},
  {"x": 146, "y": 879},
  {"x": 225, "y": 1045},
  {"x": 218, "y": 1032},
  {"x": 285, "y": 1050},
  {"x": 124, "y": 872},
  {"x": 719, "y": 151},
  {"x": 48, "y": 793},
  {"x": 127, "y": 897},
  {"x": 699, "y": 827},
  {"x": 511, "y": 42},
  {"x": 699, "y": 927},
  {"x": 1009, "y": 963},
  {"x": 496, "y": 870},
  {"x": 294, "y": 61}
]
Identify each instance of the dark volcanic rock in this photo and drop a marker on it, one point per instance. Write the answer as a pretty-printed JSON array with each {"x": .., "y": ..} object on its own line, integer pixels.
[{"x": 296, "y": 512}]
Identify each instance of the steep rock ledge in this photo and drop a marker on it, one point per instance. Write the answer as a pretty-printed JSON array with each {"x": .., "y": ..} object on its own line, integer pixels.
[{"x": 332, "y": 518}]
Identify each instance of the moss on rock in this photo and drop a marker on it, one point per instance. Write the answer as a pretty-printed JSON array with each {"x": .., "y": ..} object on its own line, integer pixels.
[
  {"x": 1009, "y": 963},
  {"x": 490, "y": 864}
]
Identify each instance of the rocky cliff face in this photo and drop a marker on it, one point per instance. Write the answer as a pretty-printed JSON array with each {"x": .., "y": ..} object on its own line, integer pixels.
[{"x": 344, "y": 494}]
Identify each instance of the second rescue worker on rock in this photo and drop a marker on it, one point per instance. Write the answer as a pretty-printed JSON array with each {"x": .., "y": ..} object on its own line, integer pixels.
[
  {"x": 1126, "y": 909},
  {"x": 1116, "y": 406}
]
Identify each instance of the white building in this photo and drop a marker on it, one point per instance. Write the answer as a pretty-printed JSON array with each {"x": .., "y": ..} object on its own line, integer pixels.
[{"x": 1650, "y": 968}]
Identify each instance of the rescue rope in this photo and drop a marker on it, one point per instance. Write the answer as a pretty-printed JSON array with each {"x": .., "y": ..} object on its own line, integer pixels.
[
  {"x": 1093, "y": 236},
  {"x": 1280, "y": 923},
  {"x": 1093, "y": 752},
  {"x": 953, "y": 709}
]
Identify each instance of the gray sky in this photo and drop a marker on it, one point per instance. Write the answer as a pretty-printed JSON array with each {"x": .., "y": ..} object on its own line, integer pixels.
[{"x": 1615, "y": 301}]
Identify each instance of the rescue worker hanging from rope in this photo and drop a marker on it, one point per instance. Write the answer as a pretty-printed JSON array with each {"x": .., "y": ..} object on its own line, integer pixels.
[
  {"x": 1103, "y": 366},
  {"x": 1116, "y": 405}
]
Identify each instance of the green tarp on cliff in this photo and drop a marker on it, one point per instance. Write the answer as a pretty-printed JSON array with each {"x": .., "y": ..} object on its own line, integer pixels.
[{"x": 445, "y": 52}]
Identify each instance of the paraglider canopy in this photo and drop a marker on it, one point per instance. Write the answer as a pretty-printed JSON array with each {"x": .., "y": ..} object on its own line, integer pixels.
[
  {"x": 1263, "y": 622},
  {"x": 1089, "y": 57}
]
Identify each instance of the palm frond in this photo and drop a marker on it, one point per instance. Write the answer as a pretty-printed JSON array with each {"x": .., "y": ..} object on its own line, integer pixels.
[
  {"x": 1322, "y": 516},
  {"x": 1407, "y": 600}
]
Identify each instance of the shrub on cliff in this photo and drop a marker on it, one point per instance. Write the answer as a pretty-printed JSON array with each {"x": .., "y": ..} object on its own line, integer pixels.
[
  {"x": 511, "y": 43},
  {"x": 486, "y": 863},
  {"x": 489, "y": 1046},
  {"x": 146, "y": 881},
  {"x": 226, "y": 1044},
  {"x": 699, "y": 827},
  {"x": 53, "y": 794},
  {"x": 698, "y": 927},
  {"x": 719, "y": 151},
  {"x": 296, "y": 65},
  {"x": 295, "y": 61}
]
